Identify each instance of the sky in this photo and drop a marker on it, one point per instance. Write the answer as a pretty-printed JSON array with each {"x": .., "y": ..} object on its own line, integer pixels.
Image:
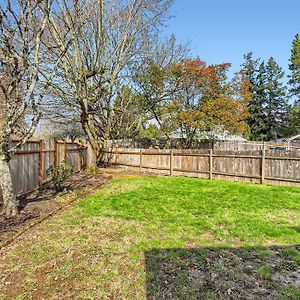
[{"x": 224, "y": 30}]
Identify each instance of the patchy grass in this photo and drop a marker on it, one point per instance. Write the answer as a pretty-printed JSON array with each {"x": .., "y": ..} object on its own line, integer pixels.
[
  {"x": 164, "y": 238},
  {"x": 265, "y": 271}
]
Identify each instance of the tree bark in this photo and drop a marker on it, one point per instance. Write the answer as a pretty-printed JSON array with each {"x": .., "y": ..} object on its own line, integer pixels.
[
  {"x": 91, "y": 157},
  {"x": 10, "y": 203},
  {"x": 89, "y": 129}
]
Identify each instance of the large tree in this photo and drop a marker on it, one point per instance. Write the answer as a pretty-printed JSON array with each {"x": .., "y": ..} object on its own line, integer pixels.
[
  {"x": 254, "y": 69},
  {"x": 149, "y": 80},
  {"x": 292, "y": 125},
  {"x": 268, "y": 107},
  {"x": 205, "y": 103},
  {"x": 22, "y": 24},
  {"x": 193, "y": 100},
  {"x": 110, "y": 36},
  {"x": 276, "y": 105},
  {"x": 22, "y": 85}
]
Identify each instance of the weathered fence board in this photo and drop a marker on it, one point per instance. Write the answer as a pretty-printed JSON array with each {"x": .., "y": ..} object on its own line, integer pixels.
[
  {"x": 259, "y": 166},
  {"x": 30, "y": 163},
  {"x": 177, "y": 143}
]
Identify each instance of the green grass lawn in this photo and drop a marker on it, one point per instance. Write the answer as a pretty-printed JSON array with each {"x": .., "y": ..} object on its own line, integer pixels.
[{"x": 164, "y": 238}]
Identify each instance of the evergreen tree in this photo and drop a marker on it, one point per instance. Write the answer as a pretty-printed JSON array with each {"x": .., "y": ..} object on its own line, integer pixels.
[
  {"x": 292, "y": 126},
  {"x": 275, "y": 106},
  {"x": 255, "y": 71},
  {"x": 294, "y": 77},
  {"x": 268, "y": 107}
]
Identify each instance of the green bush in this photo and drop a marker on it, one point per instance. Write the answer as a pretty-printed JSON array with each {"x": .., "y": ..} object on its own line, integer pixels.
[{"x": 59, "y": 174}]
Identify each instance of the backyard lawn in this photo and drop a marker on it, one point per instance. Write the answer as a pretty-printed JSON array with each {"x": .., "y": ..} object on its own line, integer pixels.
[{"x": 163, "y": 238}]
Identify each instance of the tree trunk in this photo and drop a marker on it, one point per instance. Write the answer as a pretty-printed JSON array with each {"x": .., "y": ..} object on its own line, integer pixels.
[
  {"x": 91, "y": 157},
  {"x": 10, "y": 203},
  {"x": 88, "y": 127}
]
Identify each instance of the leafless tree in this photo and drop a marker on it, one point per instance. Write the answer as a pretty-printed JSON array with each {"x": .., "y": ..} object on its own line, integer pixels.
[
  {"x": 22, "y": 88},
  {"x": 110, "y": 36},
  {"x": 128, "y": 114}
]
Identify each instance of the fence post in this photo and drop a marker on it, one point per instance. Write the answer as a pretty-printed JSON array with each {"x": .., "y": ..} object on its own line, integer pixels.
[
  {"x": 141, "y": 160},
  {"x": 117, "y": 154},
  {"x": 210, "y": 164},
  {"x": 263, "y": 163},
  {"x": 40, "y": 172},
  {"x": 55, "y": 153},
  {"x": 171, "y": 162},
  {"x": 79, "y": 156},
  {"x": 65, "y": 154}
]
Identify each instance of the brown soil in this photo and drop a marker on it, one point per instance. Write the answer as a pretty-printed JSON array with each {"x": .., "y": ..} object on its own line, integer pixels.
[
  {"x": 218, "y": 273},
  {"x": 44, "y": 201}
]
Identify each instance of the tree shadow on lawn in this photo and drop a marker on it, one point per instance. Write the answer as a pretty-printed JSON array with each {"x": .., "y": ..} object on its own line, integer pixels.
[
  {"x": 297, "y": 229},
  {"x": 222, "y": 273}
]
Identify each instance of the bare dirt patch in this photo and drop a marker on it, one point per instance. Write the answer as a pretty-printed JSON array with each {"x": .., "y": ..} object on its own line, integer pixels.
[
  {"x": 44, "y": 201},
  {"x": 217, "y": 273}
]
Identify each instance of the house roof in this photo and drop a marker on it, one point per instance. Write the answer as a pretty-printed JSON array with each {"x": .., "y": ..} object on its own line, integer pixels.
[
  {"x": 296, "y": 137},
  {"x": 222, "y": 136}
]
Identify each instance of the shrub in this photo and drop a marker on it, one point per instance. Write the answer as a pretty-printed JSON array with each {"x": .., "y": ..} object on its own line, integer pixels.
[{"x": 59, "y": 174}]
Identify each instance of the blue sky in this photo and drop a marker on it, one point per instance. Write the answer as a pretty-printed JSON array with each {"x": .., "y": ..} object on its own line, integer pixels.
[{"x": 224, "y": 30}]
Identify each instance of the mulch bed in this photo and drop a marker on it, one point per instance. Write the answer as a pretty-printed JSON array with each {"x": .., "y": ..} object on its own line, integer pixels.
[{"x": 44, "y": 201}]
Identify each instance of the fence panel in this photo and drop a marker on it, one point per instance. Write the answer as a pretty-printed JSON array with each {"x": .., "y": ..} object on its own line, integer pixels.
[
  {"x": 284, "y": 165},
  {"x": 260, "y": 166},
  {"x": 24, "y": 167},
  {"x": 177, "y": 143},
  {"x": 48, "y": 157},
  {"x": 191, "y": 161},
  {"x": 30, "y": 163}
]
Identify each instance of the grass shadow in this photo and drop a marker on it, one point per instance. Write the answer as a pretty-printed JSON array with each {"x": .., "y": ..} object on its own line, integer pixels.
[
  {"x": 297, "y": 229},
  {"x": 220, "y": 273}
]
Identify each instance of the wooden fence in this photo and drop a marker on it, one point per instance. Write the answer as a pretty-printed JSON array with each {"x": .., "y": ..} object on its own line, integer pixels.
[
  {"x": 30, "y": 163},
  {"x": 264, "y": 166},
  {"x": 145, "y": 143}
]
